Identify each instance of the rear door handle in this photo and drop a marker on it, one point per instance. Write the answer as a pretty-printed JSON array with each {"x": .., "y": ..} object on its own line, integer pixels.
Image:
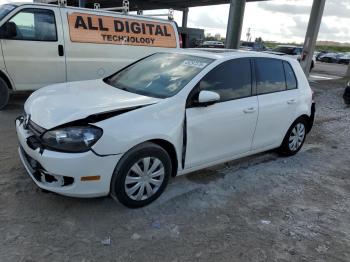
[
  {"x": 249, "y": 110},
  {"x": 60, "y": 50},
  {"x": 292, "y": 101}
]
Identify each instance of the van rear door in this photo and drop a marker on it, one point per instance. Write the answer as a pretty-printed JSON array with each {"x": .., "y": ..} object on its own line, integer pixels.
[{"x": 35, "y": 57}]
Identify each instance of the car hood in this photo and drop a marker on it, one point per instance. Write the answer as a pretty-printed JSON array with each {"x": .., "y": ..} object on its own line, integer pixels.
[{"x": 59, "y": 104}]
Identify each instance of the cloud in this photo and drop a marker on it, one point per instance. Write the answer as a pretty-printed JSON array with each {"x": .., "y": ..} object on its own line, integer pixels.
[
  {"x": 338, "y": 8},
  {"x": 204, "y": 19}
]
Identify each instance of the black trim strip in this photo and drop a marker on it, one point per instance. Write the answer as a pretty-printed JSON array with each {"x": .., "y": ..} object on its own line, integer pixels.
[
  {"x": 97, "y": 154},
  {"x": 184, "y": 141}
]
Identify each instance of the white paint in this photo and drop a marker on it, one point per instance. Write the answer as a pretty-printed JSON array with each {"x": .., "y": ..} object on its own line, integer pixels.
[{"x": 215, "y": 134}]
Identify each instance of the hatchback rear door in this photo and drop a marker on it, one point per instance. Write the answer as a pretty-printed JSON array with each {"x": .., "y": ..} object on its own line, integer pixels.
[{"x": 278, "y": 98}]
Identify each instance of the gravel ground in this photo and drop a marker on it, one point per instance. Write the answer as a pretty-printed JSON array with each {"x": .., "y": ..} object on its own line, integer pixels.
[{"x": 261, "y": 208}]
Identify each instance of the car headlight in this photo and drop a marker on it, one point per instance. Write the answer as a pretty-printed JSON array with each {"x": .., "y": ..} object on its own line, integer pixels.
[{"x": 72, "y": 139}]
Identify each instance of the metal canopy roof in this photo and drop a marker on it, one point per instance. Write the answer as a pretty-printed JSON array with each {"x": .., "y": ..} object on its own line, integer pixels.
[{"x": 153, "y": 4}]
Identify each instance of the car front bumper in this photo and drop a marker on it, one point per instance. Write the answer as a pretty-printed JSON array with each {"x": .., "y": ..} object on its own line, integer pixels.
[{"x": 62, "y": 172}]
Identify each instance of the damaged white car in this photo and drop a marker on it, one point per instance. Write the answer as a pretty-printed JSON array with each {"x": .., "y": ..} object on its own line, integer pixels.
[{"x": 165, "y": 115}]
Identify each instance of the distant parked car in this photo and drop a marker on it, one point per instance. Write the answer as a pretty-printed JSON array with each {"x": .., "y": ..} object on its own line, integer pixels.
[
  {"x": 330, "y": 58},
  {"x": 252, "y": 46},
  {"x": 320, "y": 54},
  {"x": 344, "y": 59},
  {"x": 292, "y": 51},
  {"x": 213, "y": 44}
]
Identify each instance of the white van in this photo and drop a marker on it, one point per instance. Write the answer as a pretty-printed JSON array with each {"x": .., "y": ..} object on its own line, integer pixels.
[{"x": 46, "y": 44}]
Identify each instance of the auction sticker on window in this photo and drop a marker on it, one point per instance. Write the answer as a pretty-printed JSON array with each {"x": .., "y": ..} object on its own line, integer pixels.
[
  {"x": 89, "y": 28},
  {"x": 194, "y": 63}
]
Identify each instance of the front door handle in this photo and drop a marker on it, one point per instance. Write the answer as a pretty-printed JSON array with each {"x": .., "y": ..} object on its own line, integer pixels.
[
  {"x": 249, "y": 110},
  {"x": 291, "y": 102},
  {"x": 60, "y": 50}
]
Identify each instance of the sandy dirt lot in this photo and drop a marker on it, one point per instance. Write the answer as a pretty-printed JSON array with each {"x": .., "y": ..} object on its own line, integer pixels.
[{"x": 261, "y": 208}]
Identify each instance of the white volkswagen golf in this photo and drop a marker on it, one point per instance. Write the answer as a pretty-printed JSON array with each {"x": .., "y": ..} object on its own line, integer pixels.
[{"x": 165, "y": 115}]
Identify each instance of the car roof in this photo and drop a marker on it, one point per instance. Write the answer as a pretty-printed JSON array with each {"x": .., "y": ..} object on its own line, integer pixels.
[{"x": 223, "y": 54}]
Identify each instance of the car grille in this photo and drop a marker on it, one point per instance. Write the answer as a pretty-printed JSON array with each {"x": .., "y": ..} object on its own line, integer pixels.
[
  {"x": 36, "y": 129},
  {"x": 34, "y": 141}
]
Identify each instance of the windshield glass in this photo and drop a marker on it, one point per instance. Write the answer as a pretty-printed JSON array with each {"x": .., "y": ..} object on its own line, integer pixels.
[
  {"x": 284, "y": 49},
  {"x": 5, "y": 10},
  {"x": 160, "y": 75}
]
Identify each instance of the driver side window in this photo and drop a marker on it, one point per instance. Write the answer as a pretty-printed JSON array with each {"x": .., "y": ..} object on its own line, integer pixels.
[
  {"x": 231, "y": 80},
  {"x": 35, "y": 25}
]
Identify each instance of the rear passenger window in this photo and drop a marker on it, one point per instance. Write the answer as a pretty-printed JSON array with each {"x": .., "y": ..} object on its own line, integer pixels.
[
  {"x": 290, "y": 76},
  {"x": 269, "y": 75},
  {"x": 231, "y": 79},
  {"x": 35, "y": 25}
]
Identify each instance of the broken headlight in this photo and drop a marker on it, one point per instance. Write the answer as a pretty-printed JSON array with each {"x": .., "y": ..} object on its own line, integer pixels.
[{"x": 72, "y": 139}]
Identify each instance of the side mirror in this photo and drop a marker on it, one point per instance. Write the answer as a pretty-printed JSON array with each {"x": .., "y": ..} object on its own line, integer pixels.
[
  {"x": 9, "y": 30},
  {"x": 206, "y": 98}
]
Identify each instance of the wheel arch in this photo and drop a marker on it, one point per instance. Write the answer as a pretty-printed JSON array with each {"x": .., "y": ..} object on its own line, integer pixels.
[
  {"x": 170, "y": 149},
  {"x": 6, "y": 79},
  {"x": 307, "y": 119}
]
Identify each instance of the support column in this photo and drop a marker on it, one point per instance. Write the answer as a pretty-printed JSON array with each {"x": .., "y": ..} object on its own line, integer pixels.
[
  {"x": 184, "y": 17},
  {"x": 235, "y": 23},
  {"x": 81, "y": 3},
  {"x": 311, "y": 34}
]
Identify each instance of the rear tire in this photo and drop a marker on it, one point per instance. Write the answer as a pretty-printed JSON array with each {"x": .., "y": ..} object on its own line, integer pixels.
[
  {"x": 4, "y": 93},
  {"x": 141, "y": 175},
  {"x": 294, "y": 139}
]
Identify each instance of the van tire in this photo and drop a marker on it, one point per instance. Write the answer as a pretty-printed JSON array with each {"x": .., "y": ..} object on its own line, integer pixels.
[
  {"x": 124, "y": 169},
  {"x": 4, "y": 93}
]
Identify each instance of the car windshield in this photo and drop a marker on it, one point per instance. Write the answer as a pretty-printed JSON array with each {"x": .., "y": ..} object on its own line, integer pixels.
[
  {"x": 5, "y": 10},
  {"x": 160, "y": 75},
  {"x": 284, "y": 49}
]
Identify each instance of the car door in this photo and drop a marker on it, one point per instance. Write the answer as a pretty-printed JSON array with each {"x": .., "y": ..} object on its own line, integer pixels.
[
  {"x": 226, "y": 128},
  {"x": 35, "y": 56},
  {"x": 278, "y": 101}
]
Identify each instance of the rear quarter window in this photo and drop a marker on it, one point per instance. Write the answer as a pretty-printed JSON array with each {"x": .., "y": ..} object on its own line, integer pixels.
[{"x": 291, "y": 80}]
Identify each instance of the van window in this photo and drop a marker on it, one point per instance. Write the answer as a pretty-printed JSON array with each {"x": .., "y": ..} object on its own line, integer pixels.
[
  {"x": 35, "y": 25},
  {"x": 269, "y": 75},
  {"x": 231, "y": 79},
  {"x": 291, "y": 81}
]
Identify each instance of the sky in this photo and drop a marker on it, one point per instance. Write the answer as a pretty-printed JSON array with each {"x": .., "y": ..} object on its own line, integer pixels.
[{"x": 277, "y": 20}]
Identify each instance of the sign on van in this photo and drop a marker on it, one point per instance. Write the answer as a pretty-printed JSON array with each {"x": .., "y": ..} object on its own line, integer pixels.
[{"x": 89, "y": 28}]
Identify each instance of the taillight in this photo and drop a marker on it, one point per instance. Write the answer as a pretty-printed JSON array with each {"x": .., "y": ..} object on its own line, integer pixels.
[{"x": 180, "y": 40}]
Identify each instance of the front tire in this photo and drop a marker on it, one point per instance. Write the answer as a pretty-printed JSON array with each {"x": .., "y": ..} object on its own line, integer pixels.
[
  {"x": 4, "y": 94},
  {"x": 141, "y": 176},
  {"x": 294, "y": 139}
]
